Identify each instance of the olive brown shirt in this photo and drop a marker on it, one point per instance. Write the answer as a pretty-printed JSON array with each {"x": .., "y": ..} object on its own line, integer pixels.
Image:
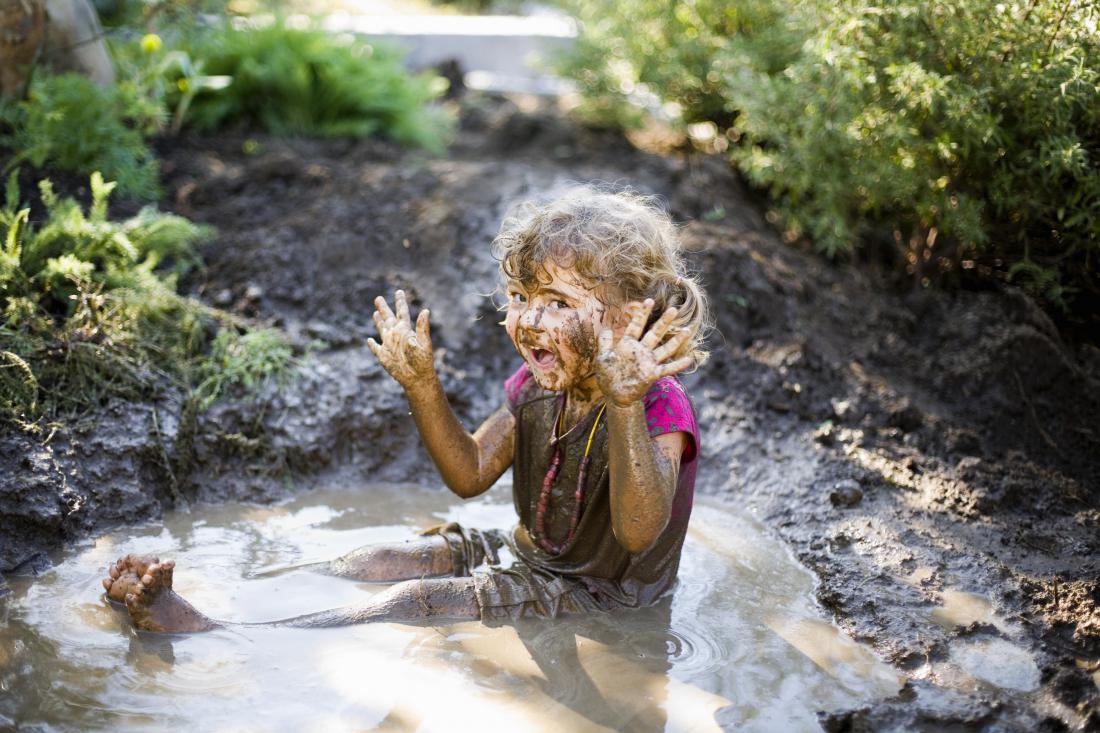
[{"x": 611, "y": 574}]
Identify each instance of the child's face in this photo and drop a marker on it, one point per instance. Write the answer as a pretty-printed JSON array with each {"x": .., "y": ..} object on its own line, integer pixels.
[{"x": 554, "y": 327}]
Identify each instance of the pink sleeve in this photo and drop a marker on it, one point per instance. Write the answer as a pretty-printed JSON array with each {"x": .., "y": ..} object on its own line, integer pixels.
[
  {"x": 513, "y": 386},
  {"x": 668, "y": 409}
]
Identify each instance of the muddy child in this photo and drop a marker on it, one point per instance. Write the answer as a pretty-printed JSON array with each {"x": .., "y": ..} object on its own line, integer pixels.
[{"x": 597, "y": 429}]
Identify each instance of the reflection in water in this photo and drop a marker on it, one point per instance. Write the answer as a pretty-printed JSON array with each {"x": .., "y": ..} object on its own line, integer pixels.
[
  {"x": 964, "y": 609},
  {"x": 741, "y": 644},
  {"x": 997, "y": 662}
]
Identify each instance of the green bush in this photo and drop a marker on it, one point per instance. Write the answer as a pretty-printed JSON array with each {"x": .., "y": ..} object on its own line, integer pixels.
[
  {"x": 681, "y": 52},
  {"x": 309, "y": 82},
  {"x": 965, "y": 133},
  {"x": 89, "y": 311},
  {"x": 68, "y": 123}
]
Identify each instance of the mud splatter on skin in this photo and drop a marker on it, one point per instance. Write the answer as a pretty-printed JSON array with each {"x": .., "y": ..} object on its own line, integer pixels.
[
  {"x": 579, "y": 334},
  {"x": 643, "y": 477}
]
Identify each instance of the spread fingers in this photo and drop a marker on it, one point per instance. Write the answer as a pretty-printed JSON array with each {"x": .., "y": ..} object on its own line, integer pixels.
[
  {"x": 640, "y": 315},
  {"x": 383, "y": 308},
  {"x": 401, "y": 305},
  {"x": 658, "y": 330},
  {"x": 672, "y": 345},
  {"x": 676, "y": 367}
]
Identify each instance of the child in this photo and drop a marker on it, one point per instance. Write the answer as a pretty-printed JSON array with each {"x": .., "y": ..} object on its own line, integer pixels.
[{"x": 600, "y": 435}]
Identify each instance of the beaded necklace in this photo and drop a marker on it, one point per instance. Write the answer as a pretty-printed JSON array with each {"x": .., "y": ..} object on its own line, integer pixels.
[{"x": 551, "y": 547}]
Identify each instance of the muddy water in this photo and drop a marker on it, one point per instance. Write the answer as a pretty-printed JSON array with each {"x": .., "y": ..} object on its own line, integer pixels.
[{"x": 740, "y": 645}]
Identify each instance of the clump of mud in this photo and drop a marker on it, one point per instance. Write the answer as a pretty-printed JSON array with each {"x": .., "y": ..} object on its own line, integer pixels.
[{"x": 932, "y": 456}]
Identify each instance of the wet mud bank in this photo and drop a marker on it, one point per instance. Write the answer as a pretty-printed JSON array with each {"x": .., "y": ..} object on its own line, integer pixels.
[{"x": 932, "y": 457}]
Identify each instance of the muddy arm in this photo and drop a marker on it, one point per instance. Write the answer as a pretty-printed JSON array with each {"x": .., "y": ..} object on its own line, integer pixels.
[
  {"x": 643, "y": 471},
  {"x": 469, "y": 464}
]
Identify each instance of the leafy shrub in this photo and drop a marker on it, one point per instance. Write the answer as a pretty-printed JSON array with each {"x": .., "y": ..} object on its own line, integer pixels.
[
  {"x": 89, "y": 309},
  {"x": 966, "y": 132},
  {"x": 682, "y": 52},
  {"x": 70, "y": 124},
  {"x": 309, "y": 82},
  {"x": 147, "y": 13}
]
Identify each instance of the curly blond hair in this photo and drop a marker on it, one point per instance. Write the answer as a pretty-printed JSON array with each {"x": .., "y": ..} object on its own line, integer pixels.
[{"x": 622, "y": 241}]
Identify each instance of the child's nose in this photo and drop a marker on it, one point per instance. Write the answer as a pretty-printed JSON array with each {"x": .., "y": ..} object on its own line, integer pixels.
[{"x": 531, "y": 318}]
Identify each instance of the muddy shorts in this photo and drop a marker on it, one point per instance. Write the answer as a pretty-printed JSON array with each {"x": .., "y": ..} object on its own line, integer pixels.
[{"x": 519, "y": 590}]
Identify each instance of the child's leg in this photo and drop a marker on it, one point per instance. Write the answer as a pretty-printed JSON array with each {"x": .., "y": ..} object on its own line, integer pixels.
[
  {"x": 154, "y": 606},
  {"x": 407, "y": 602},
  {"x": 388, "y": 562}
]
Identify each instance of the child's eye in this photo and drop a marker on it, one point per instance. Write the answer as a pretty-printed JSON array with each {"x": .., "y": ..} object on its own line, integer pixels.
[
  {"x": 517, "y": 297},
  {"x": 558, "y": 304}
]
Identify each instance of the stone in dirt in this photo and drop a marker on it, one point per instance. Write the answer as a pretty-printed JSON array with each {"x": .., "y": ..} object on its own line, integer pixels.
[{"x": 846, "y": 493}]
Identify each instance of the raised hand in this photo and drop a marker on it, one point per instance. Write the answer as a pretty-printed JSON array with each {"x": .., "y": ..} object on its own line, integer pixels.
[
  {"x": 405, "y": 352},
  {"x": 626, "y": 367}
]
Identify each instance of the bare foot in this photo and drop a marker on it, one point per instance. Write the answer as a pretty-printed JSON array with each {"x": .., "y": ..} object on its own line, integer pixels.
[
  {"x": 145, "y": 586},
  {"x": 125, "y": 575}
]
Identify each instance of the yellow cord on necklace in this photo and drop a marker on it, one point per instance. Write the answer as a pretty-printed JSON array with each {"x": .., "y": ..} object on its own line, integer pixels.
[{"x": 591, "y": 433}]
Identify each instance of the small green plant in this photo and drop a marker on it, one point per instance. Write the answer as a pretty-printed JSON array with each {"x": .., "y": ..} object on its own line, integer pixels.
[
  {"x": 482, "y": 7},
  {"x": 309, "y": 82},
  {"x": 68, "y": 123},
  {"x": 245, "y": 361},
  {"x": 168, "y": 79},
  {"x": 89, "y": 311}
]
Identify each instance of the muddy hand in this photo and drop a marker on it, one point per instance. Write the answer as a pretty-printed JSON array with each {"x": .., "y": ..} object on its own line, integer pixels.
[
  {"x": 627, "y": 367},
  {"x": 405, "y": 352}
]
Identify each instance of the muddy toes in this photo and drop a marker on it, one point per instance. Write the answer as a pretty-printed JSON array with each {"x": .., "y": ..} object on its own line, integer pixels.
[
  {"x": 126, "y": 574},
  {"x": 158, "y": 576},
  {"x": 137, "y": 564},
  {"x": 118, "y": 587},
  {"x": 142, "y": 595}
]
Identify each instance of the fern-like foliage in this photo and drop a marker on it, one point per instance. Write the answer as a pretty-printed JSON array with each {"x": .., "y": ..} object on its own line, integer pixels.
[
  {"x": 70, "y": 124},
  {"x": 89, "y": 310}
]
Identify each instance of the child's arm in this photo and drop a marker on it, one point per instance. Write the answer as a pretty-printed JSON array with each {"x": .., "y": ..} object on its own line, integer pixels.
[
  {"x": 469, "y": 464},
  {"x": 644, "y": 469}
]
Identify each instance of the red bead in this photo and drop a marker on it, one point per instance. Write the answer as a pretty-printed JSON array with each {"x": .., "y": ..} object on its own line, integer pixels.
[{"x": 547, "y": 487}]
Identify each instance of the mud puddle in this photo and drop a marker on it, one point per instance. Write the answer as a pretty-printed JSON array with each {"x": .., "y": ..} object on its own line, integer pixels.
[{"x": 741, "y": 644}]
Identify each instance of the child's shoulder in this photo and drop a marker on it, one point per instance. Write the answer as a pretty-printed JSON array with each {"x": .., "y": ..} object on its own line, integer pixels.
[
  {"x": 668, "y": 409},
  {"x": 668, "y": 393}
]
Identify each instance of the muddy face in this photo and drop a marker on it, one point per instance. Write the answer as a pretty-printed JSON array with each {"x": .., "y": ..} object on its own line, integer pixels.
[{"x": 554, "y": 327}]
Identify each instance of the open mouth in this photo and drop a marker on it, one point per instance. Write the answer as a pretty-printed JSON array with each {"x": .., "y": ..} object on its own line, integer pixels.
[{"x": 543, "y": 358}]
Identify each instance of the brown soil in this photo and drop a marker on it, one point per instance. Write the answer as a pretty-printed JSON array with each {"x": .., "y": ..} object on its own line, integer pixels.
[{"x": 907, "y": 445}]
